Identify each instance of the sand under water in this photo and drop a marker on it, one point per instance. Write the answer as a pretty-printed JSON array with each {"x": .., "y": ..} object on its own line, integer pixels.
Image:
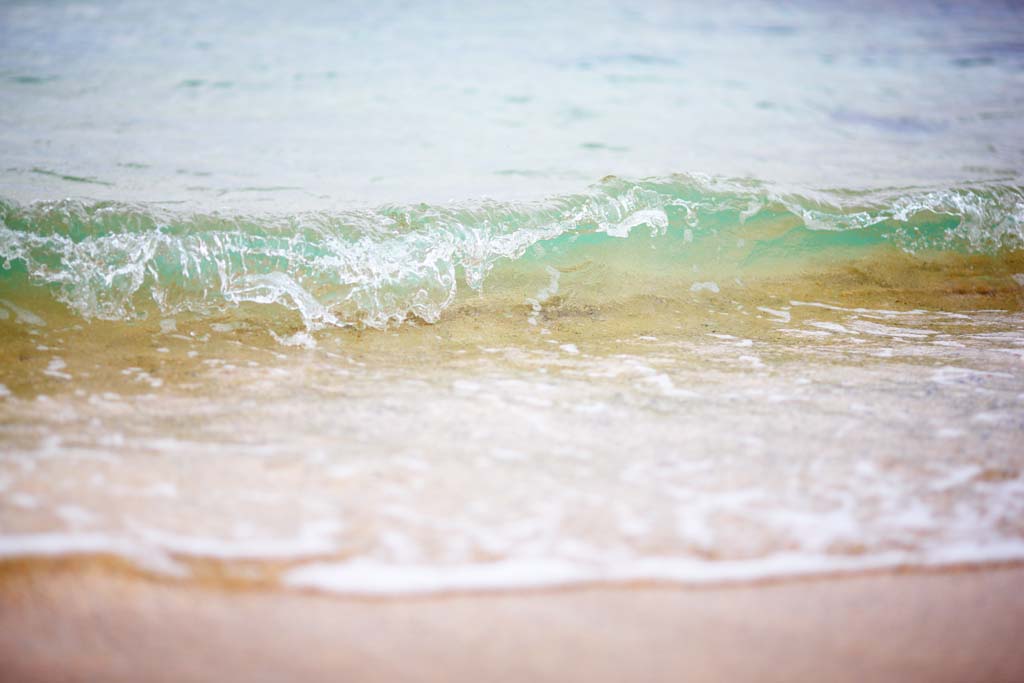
[{"x": 614, "y": 401}]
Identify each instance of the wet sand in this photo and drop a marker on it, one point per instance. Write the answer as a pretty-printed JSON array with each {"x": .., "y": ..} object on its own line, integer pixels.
[{"x": 74, "y": 621}]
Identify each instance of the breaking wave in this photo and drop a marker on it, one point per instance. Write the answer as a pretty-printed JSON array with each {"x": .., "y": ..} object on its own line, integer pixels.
[{"x": 379, "y": 267}]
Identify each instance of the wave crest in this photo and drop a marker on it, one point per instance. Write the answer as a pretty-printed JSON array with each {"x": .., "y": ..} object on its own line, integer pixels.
[{"x": 379, "y": 267}]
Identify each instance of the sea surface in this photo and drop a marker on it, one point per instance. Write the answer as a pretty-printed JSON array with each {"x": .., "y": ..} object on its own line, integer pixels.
[{"x": 417, "y": 297}]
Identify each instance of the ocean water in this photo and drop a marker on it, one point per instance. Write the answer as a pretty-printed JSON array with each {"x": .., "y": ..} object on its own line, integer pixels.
[{"x": 427, "y": 297}]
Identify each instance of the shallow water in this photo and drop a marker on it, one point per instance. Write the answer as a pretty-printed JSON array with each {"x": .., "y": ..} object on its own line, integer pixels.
[
  {"x": 704, "y": 439},
  {"x": 745, "y": 302}
]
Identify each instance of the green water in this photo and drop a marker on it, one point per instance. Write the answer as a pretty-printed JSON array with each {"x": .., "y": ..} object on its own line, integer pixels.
[{"x": 378, "y": 268}]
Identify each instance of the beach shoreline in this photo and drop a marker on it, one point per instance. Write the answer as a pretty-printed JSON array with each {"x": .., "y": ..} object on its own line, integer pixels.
[
  {"x": 480, "y": 342},
  {"x": 86, "y": 620}
]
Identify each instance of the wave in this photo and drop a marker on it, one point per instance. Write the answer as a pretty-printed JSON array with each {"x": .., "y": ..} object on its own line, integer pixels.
[{"x": 377, "y": 268}]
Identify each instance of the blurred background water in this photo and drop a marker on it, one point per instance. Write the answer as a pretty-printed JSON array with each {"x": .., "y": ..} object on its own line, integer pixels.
[{"x": 325, "y": 105}]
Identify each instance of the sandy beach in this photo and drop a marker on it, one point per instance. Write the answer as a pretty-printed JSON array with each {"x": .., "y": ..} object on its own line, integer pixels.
[{"x": 81, "y": 621}]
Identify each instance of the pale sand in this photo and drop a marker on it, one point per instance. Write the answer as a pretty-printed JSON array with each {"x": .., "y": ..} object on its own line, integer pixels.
[{"x": 91, "y": 624}]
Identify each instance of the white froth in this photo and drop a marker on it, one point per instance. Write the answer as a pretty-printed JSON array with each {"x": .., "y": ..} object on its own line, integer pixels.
[
  {"x": 656, "y": 219},
  {"x": 372, "y": 578},
  {"x": 783, "y": 316},
  {"x": 23, "y": 315},
  {"x": 55, "y": 367}
]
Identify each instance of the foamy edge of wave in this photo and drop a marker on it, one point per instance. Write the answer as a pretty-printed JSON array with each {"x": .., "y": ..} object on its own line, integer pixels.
[
  {"x": 367, "y": 578},
  {"x": 363, "y": 577}
]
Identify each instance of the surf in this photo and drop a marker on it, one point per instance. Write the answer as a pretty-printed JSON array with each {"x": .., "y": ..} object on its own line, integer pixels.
[{"x": 379, "y": 268}]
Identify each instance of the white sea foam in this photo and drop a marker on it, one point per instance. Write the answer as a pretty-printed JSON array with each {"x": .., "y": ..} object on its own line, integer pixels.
[
  {"x": 23, "y": 315},
  {"x": 55, "y": 369},
  {"x": 372, "y": 578},
  {"x": 705, "y": 287},
  {"x": 654, "y": 218},
  {"x": 783, "y": 316}
]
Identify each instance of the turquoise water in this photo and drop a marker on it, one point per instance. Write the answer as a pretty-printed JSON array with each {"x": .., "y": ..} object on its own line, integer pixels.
[{"x": 379, "y": 267}]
